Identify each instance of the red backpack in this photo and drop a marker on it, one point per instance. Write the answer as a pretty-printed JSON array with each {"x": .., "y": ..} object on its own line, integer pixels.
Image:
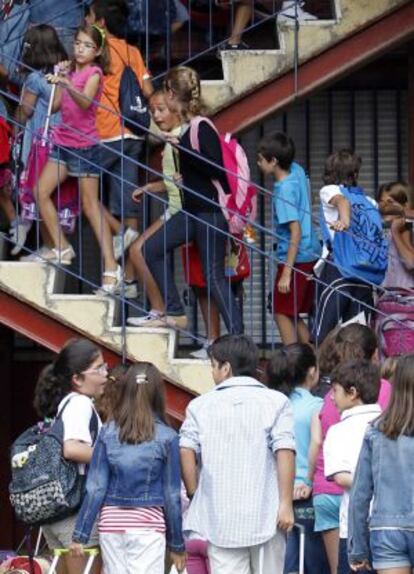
[
  {"x": 5, "y": 135},
  {"x": 240, "y": 205}
]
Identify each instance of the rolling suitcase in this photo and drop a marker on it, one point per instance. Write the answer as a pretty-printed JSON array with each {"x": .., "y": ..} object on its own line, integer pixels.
[{"x": 59, "y": 552}]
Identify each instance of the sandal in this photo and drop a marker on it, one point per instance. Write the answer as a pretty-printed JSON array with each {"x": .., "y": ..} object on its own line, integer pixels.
[
  {"x": 59, "y": 256},
  {"x": 111, "y": 288}
]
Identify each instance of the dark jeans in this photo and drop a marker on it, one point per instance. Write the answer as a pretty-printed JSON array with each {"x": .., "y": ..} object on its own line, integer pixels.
[
  {"x": 343, "y": 564},
  {"x": 338, "y": 298},
  {"x": 315, "y": 557},
  {"x": 208, "y": 231}
]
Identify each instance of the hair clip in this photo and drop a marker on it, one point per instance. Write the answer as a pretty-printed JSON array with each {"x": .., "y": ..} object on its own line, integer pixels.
[{"x": 141, "y": 379}]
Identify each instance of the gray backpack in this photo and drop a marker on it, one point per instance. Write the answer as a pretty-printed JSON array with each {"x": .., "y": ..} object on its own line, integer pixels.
[{"x": 45, "y": 487}]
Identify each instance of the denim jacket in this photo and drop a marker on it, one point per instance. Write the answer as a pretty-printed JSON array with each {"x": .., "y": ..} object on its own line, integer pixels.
[
  {"x": 129, "y": 475},
  {"x": 384, "y": 475}
]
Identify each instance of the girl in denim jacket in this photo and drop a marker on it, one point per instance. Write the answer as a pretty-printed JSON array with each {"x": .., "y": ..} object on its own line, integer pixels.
[
  {"x": 381, "y": 510},
  {"x": 134, "y": 482}
]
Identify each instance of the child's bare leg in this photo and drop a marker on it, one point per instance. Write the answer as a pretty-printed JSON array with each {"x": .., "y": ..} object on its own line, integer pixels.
[
  {"x": 6, "y": 205},
  {"x": 331, "y": 542},
  {"x": 286, "y": 328},
  {"x": 52, "y": 175},
  {"x": 210, "y": 313},
  {"x": 241, "y": 20},
  {"x": 143, "y": 273},
  {"x": 302, "y": 331},
  {"x": 89, "y": 190}
]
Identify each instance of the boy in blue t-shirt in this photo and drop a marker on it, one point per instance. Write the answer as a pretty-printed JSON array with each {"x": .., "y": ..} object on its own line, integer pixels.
[{"x": 298, "y": 247}]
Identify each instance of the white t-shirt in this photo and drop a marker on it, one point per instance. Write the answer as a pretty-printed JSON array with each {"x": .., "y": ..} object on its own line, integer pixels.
[
  {"x": 342, "y": 447},
  {"x": 76, "y": 419}
]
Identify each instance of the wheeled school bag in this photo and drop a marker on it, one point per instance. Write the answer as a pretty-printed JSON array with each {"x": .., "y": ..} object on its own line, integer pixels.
[
  {"x": 240, "y": 205},
  {"x": 360, "y": 252},
  {"x": 91, "y": 553},
  {"x": 45, "y": 487},
  {"x": 395, "y": 323}
]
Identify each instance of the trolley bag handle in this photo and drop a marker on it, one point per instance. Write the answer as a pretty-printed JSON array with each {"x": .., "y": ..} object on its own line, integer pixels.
[
  {"x": 58, "y": 552},
  {"x": 49, "y": 114},
  {"x": 301, "y": 530}
]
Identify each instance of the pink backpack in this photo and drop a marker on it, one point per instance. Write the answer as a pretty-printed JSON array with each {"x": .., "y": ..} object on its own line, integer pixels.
[{"x": 240, "y": 205}]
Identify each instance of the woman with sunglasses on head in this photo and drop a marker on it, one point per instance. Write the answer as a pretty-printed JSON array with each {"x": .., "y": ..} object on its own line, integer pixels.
[{"x": 69, "y": 386}]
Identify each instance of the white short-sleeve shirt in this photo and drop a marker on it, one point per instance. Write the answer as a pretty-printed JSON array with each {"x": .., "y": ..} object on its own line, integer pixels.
[{"x": 342, "y": 447}]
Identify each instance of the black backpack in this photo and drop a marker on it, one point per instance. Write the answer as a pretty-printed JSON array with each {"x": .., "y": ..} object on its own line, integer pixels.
[
  {"x": 133, "y": 104},
  {"x": 45, "y": 487}
]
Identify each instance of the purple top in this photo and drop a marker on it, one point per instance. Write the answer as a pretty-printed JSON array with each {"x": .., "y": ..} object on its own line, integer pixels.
[{"x": 329, "y": 415}]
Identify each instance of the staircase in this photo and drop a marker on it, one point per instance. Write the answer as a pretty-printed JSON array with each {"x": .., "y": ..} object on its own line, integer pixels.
[{"x": 244, "y": 71}]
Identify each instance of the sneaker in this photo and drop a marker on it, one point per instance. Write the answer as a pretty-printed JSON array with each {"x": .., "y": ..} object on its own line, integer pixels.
[
  {"x": 128, "y": 289},
  {"x": 201, "y": 353},
  {"x": 227, "y": 47},
  {"x": 174, "y": 321},
  {"x": 37, "y": 256},
  {"x": 287, "y": 12},
  {"x": 60, "y": 256},
  {"x": 18, "y": 235},
  {"x": 143, "y": 321},
  {"x": 121, "y": 242}
]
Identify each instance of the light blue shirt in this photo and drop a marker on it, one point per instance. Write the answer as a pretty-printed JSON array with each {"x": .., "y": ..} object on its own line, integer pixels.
[
  {"x": 291, "y": 202},
  {"x": 236, "y": 428},
  {"x": 304, "y": 406}
]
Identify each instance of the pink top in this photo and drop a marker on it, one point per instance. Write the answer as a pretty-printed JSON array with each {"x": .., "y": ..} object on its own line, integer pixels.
[
  {"x": 329, "y": 415},
  {"x": 77, "y": 129}
]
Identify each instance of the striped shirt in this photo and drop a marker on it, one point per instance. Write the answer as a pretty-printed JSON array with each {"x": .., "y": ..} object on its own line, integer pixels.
[
  {"x": 236, "y": 428},
  {"x": 121, "y": 520}
]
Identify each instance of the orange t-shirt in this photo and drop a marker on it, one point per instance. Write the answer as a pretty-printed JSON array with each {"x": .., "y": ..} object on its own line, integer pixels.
[{"x": 107, "y": 123}]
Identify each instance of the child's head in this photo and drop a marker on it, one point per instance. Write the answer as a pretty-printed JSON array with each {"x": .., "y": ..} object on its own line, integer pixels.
[
  {"x": 355, "y": 383},
  {"x": 355, "y": 341},
  {"x": 275, "y": 150},
  {"x": 165, "y": 118},
  {"x": 398, "y": 418},
  {"x": 42, "y": 49},
  {"x": 395, "y": 192},
  {"x": 388, "y": 368},
  {"x": 140, "y": 399},
  {"x": 342, "y": 168},
  {"x": 112, "y": 15},
  {"x": 233, "y": 356},
  {"x": 183, "y": 92},
  {"x": 292, "y": 366},
  {"x": 90, "y": 47}
]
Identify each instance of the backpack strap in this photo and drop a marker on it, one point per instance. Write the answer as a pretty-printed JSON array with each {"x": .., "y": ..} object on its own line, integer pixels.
[{"x": 194, "y": 131}]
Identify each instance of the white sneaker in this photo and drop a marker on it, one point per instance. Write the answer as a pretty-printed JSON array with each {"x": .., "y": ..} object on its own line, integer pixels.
[
  {"x": 121, "y": 242},
  {"x": 287, "y": 12},
  {"x": 201, "y": 353},
  {"x": 18, "y": 235},
  {"x": 37, "y": 256},
  {"x": 128, "y": 289},
  {"x": 141, "y": 321}
]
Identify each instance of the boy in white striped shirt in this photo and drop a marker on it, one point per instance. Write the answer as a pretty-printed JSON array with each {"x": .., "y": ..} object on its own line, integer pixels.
[{"x": 242, "y": 494}]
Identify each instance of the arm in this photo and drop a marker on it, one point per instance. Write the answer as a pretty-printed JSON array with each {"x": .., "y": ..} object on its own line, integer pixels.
[
  {"x": 210, "y": 149},
  {"x": 359, "y": 505},
  {"x": 189, "y": 470},
  {"x": 343, "y": 479},
  {"x": 83, "y": 99},
  {"x": 295, "y": 237},
  {"x": 285, "y": 460},
  {"x": 77, "y": 451},
  {"x": 96, "y": 488},
  {"x": 315, "y": 444},
  {"x": 190, "y": 446},
  {"x": 344, "y": 212},
  {"x": 147, "y": 88},
  {"x": 172, "y": 497},
  {"x": 153, "y": 187},
  {"x": 26, "y": 106}
]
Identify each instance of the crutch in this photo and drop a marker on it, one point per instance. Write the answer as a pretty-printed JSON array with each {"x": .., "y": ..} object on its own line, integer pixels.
[{"x": 58, "y": 552}]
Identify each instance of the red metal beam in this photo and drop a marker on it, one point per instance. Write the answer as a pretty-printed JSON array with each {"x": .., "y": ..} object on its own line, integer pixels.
[
  {"x": 337, "y": 61},
  {"x": 50, "y": 333}
]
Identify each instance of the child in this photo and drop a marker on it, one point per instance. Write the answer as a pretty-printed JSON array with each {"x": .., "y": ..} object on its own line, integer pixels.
[
  {"x": 355, "y": 251},
  {"x": 394, "y": 207},
  {"x": 202, "y": 218},
  {"x": 123, "y": 149},
  {"x": 71, "y": 382},
  {"x": 293, "y": 371},
  {"x": 241, "y": 500},
  {"x": 169, "y": 122},
  {"x": 355, "y": 388},
  {"x": 297, "y": 244},
  {"x": 76, "y": 151},
  {"x": 381, "y": 521},
  {"x": 134, "y": 481},
  {"x": 42, "y": 51}
]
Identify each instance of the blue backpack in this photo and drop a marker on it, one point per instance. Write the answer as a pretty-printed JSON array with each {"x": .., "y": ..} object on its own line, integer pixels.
[{"x": 361, "y": 252}]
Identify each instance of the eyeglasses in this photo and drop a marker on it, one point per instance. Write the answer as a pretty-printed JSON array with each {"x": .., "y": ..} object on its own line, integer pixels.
[
  {"x": 86, "y": 45},
  {"x": 101, "y": 370}
]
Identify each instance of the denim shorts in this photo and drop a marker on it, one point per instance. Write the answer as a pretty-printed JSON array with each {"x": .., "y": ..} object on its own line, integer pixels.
[
  {"x": 326, "y": 511},
  {"x": 392, "y": 548},
  {"x": 80, "y": 162}
]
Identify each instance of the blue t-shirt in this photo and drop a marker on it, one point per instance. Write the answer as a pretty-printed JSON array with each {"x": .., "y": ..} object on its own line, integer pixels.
[
  {"x": 68, "y": 14},
  {"x": 291, "y": 202},
  {"x": 304, "y": 406},
  {"x": 36, "y": 84}
]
